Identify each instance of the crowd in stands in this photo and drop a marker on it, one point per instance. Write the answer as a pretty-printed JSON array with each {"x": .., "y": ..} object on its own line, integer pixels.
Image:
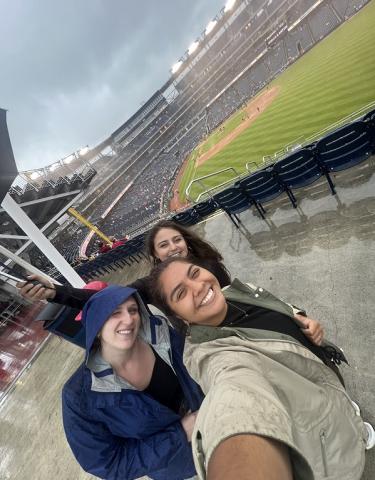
[{"x": 235, "y": 67}]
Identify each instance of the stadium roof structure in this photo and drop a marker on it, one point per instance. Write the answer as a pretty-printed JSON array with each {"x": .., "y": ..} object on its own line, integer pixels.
[
  {"x": 206, "y": 36},
  {"x": 9, "y": 169},
  {"x": 45, "y": 196},
  {"x": 16, "y": 214}
]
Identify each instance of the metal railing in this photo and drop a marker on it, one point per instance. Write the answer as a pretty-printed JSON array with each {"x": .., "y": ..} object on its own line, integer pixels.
[
  {"x": 349, "y": 118},
  {"x": 200, "y": 182},
  {"x": 253, "y": 166}
]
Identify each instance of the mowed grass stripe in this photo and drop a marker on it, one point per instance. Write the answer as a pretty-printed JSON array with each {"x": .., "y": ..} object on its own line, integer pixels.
[{"x": 331, "y": 81}]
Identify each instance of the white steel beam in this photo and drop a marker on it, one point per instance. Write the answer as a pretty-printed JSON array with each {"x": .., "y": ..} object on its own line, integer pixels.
[{"x": 44, "y": 245}]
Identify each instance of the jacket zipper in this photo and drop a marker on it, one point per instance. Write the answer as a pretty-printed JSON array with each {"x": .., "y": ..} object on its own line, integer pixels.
[{"x": 324, "y": 451}]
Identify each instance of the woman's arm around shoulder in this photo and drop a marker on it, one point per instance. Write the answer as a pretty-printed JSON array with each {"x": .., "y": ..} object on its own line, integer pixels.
[{"x": 311, "y": 328}]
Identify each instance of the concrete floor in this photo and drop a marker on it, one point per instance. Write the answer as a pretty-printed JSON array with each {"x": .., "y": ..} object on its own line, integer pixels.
[{"x": 320, "y": 256}]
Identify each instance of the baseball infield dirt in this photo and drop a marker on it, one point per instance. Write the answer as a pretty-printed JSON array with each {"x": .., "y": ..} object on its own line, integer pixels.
[{"x": 252, "y": 110}]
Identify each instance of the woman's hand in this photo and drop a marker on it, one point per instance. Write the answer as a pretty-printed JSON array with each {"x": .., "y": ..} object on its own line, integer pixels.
[
  {"x": 37, "y": 292},
  {"x": 311, "y": 328},
  {"x": 188, "y": 422}
]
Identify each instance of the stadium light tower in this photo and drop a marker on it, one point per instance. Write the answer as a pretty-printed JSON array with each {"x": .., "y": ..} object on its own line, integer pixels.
[
  {"x": 54, "y": 166},
  {"x": 69, "y": 158},
  {"x": 229, "y": 5},
  {"x": 193, "y": 47},
  {"x": 176, "y": 66},
  {"x": 35, "y": 175},
  {"x": 211, "y": 25},
  {"x": 83, "y": 150}
]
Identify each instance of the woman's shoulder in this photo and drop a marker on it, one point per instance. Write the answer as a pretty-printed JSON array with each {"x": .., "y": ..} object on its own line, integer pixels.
[{"x": 77, "y": 383}]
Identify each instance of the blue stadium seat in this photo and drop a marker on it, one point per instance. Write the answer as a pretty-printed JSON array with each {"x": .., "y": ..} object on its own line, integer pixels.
[
  {"x": 369, "y": 115},
  {"x": 345, "y": 147},
  {"x": 300, "y": 169},
  {"x": 264, "y": 186},
  {"x": 369, "y": 120},
  {"x": 187, "y": 217},
  {"x": 131, "y": 251},
  {"x": 206, "y": 208},
  {"x": 233, "y": 201},
  {"x": 134, "y": 248}
]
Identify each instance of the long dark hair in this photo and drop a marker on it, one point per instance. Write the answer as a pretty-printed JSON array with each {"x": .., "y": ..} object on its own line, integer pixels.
[{"x": 197, "y": 247}]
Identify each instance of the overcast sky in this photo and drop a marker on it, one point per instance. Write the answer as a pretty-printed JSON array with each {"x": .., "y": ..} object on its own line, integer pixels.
[{"x": 73, "y": 71}]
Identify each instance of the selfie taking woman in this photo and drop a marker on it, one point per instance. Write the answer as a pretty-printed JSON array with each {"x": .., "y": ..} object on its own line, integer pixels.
[{"x": 274, "y": 405}]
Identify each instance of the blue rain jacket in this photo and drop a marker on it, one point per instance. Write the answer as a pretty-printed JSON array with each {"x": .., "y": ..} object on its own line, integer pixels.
[{"x": 114, "y": 430}]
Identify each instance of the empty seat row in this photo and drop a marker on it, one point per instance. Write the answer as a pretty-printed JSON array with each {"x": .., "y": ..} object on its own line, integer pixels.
[
  {"x": 339, "y": 150},
  {"x": 130, "y": 252}
]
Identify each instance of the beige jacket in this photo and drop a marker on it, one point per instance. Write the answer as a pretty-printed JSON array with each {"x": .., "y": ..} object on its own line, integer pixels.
[{"x": 266, "y": 383}]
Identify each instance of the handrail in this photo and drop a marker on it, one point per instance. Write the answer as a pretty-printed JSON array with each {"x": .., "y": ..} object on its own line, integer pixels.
[
  {"x": 217, "y": 188},
  {"x": 249, "y": 169},
  {"x": 200, "y": 182},
  {"x": 352, "y": 116},
  {"x": 267, "y": 159}
]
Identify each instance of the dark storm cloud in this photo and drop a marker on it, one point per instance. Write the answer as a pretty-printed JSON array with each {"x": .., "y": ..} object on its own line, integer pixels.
[{"x": 71, "y": 72}]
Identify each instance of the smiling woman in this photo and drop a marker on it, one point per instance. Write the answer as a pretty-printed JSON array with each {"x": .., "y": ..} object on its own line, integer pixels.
[
  {"x": 164, "y": 240},
  {"x": 193, "y": 293},
  {"x": 275, "y": 402},
  {"x": 120, "y": 331},
  {"x": 169, "y": 242},
  {"x": 168, "y": 239},
  {"x": 127, "y": 409}
]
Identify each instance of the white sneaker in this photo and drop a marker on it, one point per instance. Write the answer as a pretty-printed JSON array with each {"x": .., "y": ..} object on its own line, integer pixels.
[{"x": 371, "y": 435}]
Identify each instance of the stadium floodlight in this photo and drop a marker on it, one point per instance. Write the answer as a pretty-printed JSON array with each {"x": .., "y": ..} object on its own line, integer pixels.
[
  {"x": 176, "y": 66},
  {"x": 229, "y": 5},
  {"x": 211, "y": 25},
  {"x": 193, "y": 47},
  {"x": 54, "y": 166},
  {"x": 69, "y": 158},
  {"x": 35, "y": 175},
  {"x": 84, "y": 150}
]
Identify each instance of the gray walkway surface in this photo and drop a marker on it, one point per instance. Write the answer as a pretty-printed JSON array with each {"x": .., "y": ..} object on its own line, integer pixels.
[{"x": 320, "y": 256}]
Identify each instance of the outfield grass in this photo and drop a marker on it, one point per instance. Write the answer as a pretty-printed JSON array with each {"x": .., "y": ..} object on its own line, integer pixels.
[
  {"x": 219, "y": 134},
  {"x": 332, "y": 80}
]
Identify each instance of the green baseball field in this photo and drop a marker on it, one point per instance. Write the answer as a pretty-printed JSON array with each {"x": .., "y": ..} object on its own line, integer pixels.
[{"x": 331, "y": 81}]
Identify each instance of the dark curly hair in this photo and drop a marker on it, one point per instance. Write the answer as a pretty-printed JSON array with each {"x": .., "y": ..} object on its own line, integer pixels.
[{"x": 197, "y": 247}]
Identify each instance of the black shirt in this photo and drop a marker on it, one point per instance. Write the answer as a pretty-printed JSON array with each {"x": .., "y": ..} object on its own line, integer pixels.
[
  {"x": 164, "y": 385},
  {"x": 243, "y": 315}
]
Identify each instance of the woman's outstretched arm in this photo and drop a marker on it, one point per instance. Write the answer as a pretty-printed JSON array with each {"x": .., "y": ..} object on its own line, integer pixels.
[{"x": 250, "y": 457}]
